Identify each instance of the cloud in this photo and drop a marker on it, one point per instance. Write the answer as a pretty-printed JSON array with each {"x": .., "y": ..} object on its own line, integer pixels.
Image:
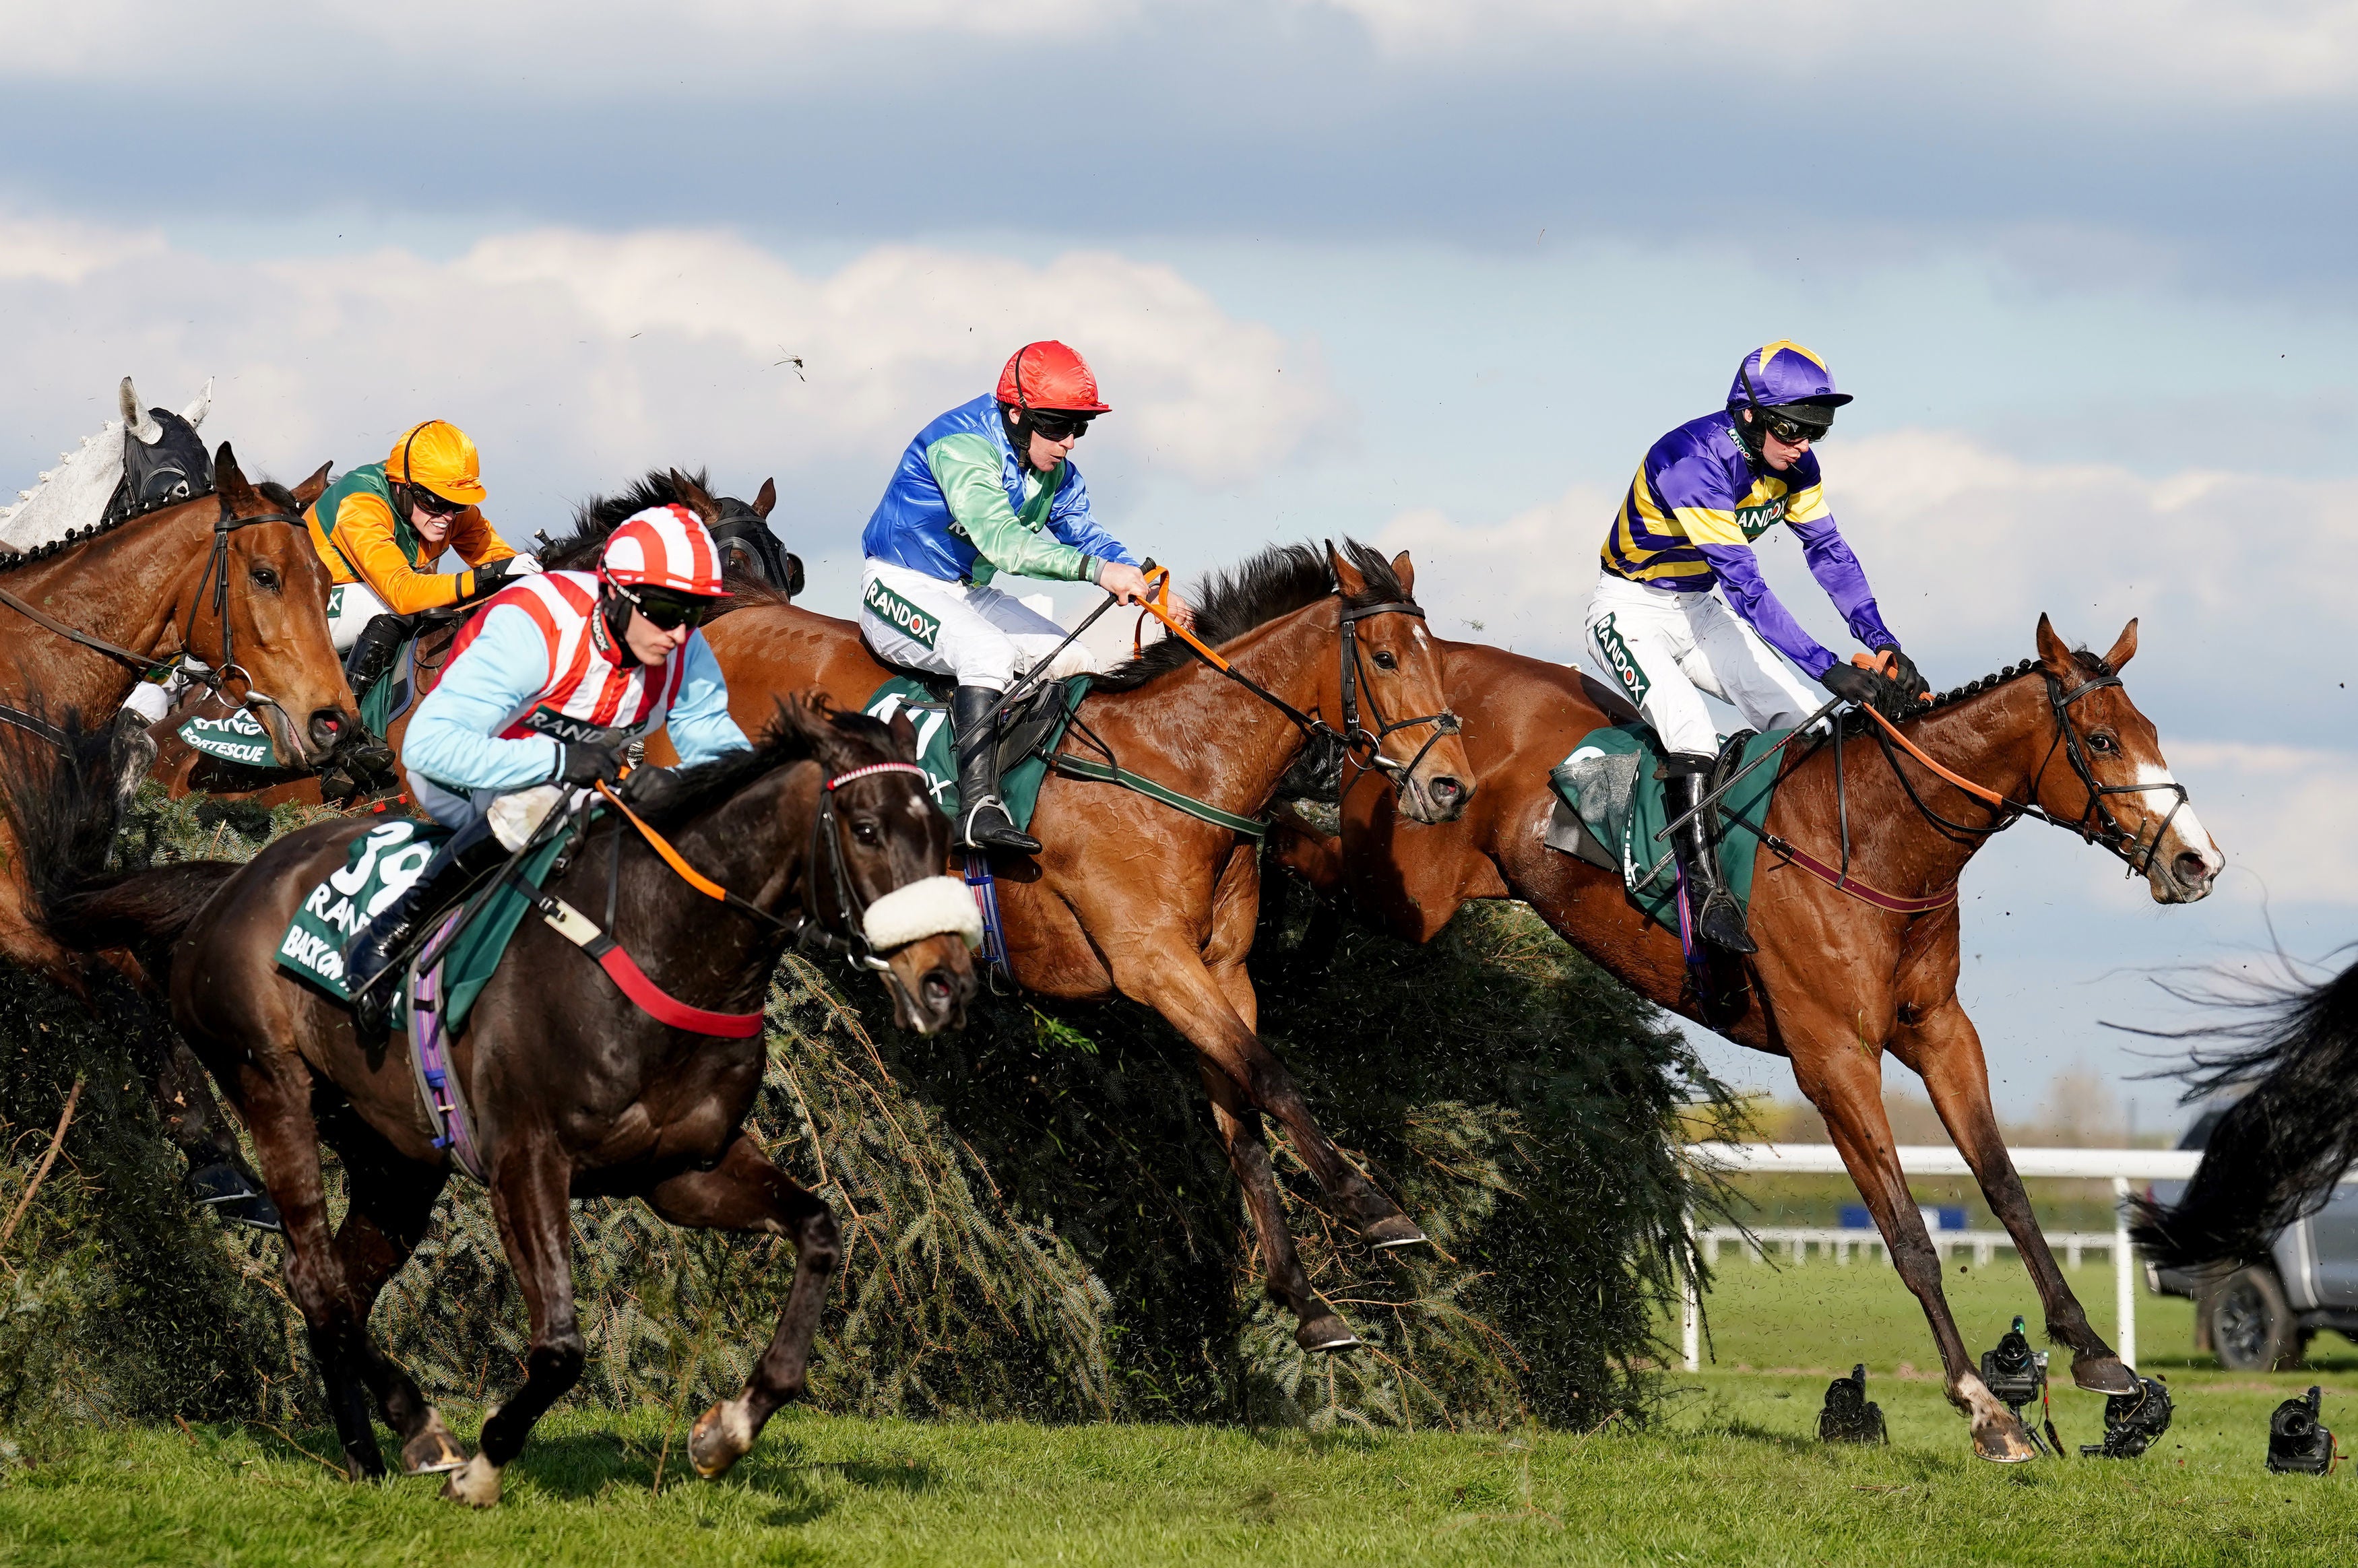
[
  {"x": 577, "y": 355},
  {"x": 2271, "y": 809}
]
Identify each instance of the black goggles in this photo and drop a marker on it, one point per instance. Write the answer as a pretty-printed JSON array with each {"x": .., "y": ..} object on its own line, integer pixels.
[
  {"x": 665, "y": 612},
  {"x": 425, "y": 501},
  {"x": 1052, "y": 427},
  {"x": 1781, "y": 424}
]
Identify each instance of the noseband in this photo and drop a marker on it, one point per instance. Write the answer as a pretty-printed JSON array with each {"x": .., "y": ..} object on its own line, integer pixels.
[{"x": 849, "y": 906}]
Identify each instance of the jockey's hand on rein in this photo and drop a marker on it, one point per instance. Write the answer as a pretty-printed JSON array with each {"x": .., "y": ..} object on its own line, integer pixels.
[
  {"x": 650, "y": 789},
  {"x": 588, "y": 763},
  {"x": 1863, "y": 688},
  {"x": 1913, "y": 686}
]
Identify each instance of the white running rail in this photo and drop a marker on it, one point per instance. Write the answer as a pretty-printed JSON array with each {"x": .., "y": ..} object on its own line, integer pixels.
[{"x": 2120, "y": 1166}]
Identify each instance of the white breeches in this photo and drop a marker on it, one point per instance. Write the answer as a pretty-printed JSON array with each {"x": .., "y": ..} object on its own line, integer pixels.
[
  {"x": 978, "y": 635},
  {"x": 351, "y": 607},
  {"x": 1664, "y": 650}
]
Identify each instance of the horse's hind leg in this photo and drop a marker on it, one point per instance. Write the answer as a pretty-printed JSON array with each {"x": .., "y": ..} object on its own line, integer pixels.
[
  {"x": 1945, "y": 1050},
  {"x": 1846, "y": 1086},
  {"x": 392, "y": 1202},
  {"x": 1316, "y": 1326},
  {"x": 532, "y": 1199},
  {"x": 746, "y": 1191}
]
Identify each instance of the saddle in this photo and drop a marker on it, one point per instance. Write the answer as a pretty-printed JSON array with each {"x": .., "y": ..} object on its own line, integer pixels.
[{"x": 1030, "y": 729}]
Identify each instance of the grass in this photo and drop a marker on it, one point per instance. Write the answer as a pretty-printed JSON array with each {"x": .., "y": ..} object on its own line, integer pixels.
[{"x": 1731, "y": 1473}]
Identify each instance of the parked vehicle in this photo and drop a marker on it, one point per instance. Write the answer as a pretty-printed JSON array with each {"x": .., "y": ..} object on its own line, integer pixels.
[{"x": 2263, "y": 1314}]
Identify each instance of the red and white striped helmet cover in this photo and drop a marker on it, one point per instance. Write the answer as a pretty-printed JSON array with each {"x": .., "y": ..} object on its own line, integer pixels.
[{"x": 664, "y": 546}]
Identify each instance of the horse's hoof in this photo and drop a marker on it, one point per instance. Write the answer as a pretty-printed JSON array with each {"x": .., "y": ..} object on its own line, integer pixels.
[
  {"x": 1326, "y": 1333},
  {"x": 433, "y": 1451},
  {"x": 719, "y": 1439},
  {"x": 2103, "y": 1375},
  {"x": 475, "y": 1483},
  {"x": 2002, "y": 1440},
  {"x": 1394, "y": 1230}
]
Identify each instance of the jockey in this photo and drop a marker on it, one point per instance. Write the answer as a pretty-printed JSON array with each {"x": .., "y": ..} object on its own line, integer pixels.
[
  {"x": 546, "y": 685},
  {"x": 989, "y": 488},
  {"x": 381, "y": 529},
  {"x": 1662, "y": 637}
]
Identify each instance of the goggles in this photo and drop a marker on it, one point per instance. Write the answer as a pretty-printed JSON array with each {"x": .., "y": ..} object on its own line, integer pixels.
[
  {"x": 1051, "y": 425},
  {"x": 433, "y": 505},
  {"x": 665, "y": 612},
  {"x": 1781, "y": 424}
]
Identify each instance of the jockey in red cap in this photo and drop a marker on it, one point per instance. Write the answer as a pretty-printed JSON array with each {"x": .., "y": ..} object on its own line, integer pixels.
[
  {"x": 989, "y": 488},
  {"x": 547, "y": 685}
]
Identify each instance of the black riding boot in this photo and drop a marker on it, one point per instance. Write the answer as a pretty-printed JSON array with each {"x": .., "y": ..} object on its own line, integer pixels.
[
  {"x": 1717, "y": 919},
  {"x": 983, "y": 822},
  {"x": 374, "y": 650},
  {"x": 369, "y": 956}
]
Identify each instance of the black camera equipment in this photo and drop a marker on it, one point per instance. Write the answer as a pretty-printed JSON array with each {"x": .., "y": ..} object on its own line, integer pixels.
[
  {"x": 1850, "y": 1416},
  {"x": 2297, "y": 1443},
  {"x": 2017, "y": 1374},
  {"x": 2132, "y": 1423}
]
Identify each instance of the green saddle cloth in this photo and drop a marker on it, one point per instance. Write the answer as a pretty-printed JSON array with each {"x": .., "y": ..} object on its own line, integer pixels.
[
  {"x": 390, "y": 697},
  {"x": 383, "y": 862},
  {"x": 1609, "y": 781},
  {"x": 1023, "y": 754}
]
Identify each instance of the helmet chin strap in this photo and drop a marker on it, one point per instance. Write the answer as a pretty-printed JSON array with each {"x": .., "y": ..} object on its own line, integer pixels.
[{"x": 614, "y": 619}]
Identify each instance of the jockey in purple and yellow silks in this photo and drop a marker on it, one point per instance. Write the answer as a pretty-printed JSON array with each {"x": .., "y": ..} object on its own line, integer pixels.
[{"x": 1662, "y": 637}]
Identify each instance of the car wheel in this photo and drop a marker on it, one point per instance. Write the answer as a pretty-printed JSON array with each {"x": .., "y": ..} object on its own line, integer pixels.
[{"x": 2252, "y": 1329}]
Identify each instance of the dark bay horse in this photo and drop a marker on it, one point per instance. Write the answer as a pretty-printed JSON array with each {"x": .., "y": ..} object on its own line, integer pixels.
[
  {"x": 1838, "y": 981},
  {"x": 1133, "y": 897},
  {"x": 574, "y": 1090},
  {"x": 229, "y": 579}
]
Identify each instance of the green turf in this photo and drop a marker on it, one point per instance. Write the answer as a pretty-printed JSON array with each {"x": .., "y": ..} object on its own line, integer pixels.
[{"x": 1730, "y": 1472}]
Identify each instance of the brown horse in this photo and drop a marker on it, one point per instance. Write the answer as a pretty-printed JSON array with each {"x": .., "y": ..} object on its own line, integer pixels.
[
  {"x": 574, "y": 1090},
  {"x": 229, "y": 579},
  {"x": 1838, "y": 981},
  {"x": 1133, "y": 897}
]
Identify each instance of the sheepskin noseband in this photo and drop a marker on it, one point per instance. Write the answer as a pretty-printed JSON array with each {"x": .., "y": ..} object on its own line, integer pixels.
[{"x": 931, "y": 907}]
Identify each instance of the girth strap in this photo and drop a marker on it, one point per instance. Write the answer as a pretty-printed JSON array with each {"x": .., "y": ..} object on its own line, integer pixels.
[{"x": 1106, "y": 773}]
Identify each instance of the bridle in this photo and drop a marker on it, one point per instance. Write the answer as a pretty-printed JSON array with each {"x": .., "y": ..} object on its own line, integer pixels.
[
  {"x": 216, "y": 577},
  {"x": 1357, "y": 735},
  {"x": 850, "y": 907},
  {"x": 2095, "y": 824}
]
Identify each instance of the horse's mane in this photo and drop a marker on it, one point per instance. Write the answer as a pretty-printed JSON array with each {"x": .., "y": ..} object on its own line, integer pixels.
[
  {"x": 278, "y": 494},
  {"x": 2089, "y": 662},
  {"x": 1278, "y": 581},
  {"x": 802, "y": 731},
  {"x": 595, "y": 520}
]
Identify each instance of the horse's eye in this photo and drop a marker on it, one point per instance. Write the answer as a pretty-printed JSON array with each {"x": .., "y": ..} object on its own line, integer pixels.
[
  {"x": 1384, "y": 661},
  {"x": 2102, "y": 740},
  {"x": 265, "y": 578},
  {"x": 867, "y": 833}
]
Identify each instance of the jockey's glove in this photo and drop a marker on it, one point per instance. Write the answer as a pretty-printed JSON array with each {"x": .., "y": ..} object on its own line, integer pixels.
[
  {"x": 1863, "y": 688},
  {"x": 492, "y": 576},
  {"x": 1913, "y": 686},
  {"x": 650, "y": 789},
  {"x": 585, "y": 762}
]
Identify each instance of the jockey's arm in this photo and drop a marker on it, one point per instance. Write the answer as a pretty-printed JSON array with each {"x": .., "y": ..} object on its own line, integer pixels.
[
  {"x": 364, "y": 537},
  {"x": 1748, "y": 594},
  {"x": 454, "y": 736},
  {"x": 700, "y": 727},
  {"x": 968, "y": 468},
  {"x": 1839, "y": 573}
]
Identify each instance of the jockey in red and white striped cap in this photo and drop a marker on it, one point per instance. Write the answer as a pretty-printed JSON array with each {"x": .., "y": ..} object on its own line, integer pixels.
[{"x": 553, "y": 678}]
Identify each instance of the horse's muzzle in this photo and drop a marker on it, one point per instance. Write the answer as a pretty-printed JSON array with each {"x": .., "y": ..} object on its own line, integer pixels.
[
  {"x": 2188, "y": 877},
  {"x": 1439, "y": 798},
  {"x": 931, "y": 980}
]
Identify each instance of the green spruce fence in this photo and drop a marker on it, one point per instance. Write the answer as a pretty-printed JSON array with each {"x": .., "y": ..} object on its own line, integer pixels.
[{"x": 1037, "y": 1219}]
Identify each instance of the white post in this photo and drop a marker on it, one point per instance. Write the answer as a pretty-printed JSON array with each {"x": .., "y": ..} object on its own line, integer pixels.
[
  {"x": 1690, "y": 1325},
  {"x": 2123, "y": 1277}
]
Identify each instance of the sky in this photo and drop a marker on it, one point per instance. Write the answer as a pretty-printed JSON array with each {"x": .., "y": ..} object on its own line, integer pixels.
[{"x": 1429, "y": 275}]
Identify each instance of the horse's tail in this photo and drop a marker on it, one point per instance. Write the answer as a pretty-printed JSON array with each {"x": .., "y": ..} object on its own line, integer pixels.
[
  {"x": 63, "y": 790},
  {"x": 2275, "y": 1156}
]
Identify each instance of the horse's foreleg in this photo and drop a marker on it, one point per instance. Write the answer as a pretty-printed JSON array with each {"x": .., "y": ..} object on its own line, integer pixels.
[
  {"x": 1846, "y": 1086},
  {"x": 1316, "y": 1326},
  {"x": 1945, "y": 1051},
  {"x": 531, "y": 1197},
  {"x": 746, "y": 1191},
  {"x": 392, "y": 1202}
]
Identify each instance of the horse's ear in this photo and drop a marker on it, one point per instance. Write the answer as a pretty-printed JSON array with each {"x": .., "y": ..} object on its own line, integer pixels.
[
  {"x": 198, "y": 406},
  {"x": 1348, "y": 577},
  {"x": 311, "y": 489},
  {"x": 767, "y": 500},
  {"x": 694, "y": 496},
  {"x": 2052, "y": 651},
  {"x": 228, "y": 479},
  {"x": 1405, "y": 569},
  {"x": 905, "y": 736},
  {"x": 135, "y": 418},
  {"x": 2125, "y": 649}
]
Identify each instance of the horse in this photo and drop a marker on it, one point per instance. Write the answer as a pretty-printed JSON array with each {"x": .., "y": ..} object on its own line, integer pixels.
[
  {"x": 1843, "y": 974},
  {"x": 1131, "y": 896},
  {"x": 2276, "y": 1156},
  {"x": 751, "y": 555},
  {"x": 575, "y": 1089},
  {"x": 147, "y": 459}
]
